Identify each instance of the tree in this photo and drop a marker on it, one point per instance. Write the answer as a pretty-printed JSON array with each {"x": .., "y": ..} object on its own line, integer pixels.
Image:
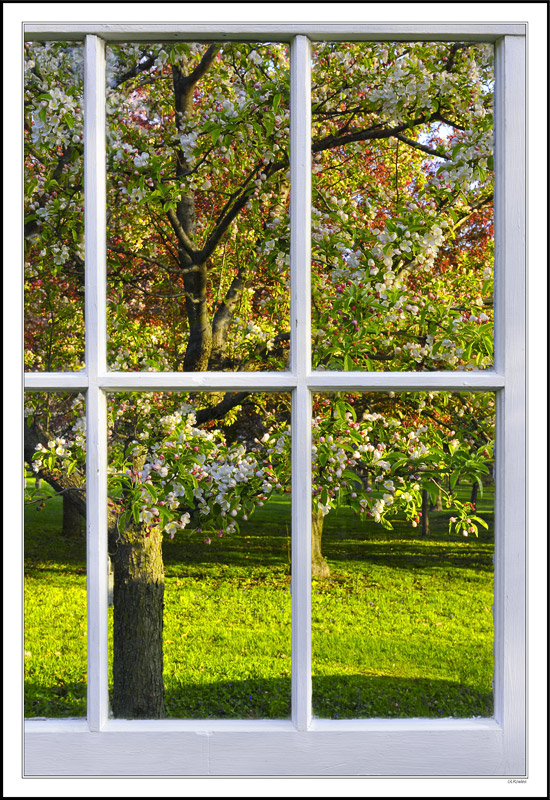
[{"x": 198, "y": 269}]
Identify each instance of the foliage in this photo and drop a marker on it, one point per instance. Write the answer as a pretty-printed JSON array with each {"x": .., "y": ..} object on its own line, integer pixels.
[{"x": 198, "y": 266}]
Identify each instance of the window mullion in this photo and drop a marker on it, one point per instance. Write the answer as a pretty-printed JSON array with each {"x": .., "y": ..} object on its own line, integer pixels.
[
  {"x": 300, "y": 353},
  {"x": 96, "y": 358}
]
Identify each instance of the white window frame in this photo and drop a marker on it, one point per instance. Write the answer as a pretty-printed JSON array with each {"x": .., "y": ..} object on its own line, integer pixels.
[{"x": 99, "y": 746}]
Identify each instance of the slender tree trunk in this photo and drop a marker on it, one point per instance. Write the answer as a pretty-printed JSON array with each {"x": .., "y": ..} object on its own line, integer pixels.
[
  {"x": 425, "y": 513},
  {"x": 319, "y": 567},
  {"x": 473, "y": 496},
  {"x": 438, "y": 505},
  {"x": 439, "y": 502},
  {"x": 138, "y": 686},
  {"x": 72, "y": 520}
]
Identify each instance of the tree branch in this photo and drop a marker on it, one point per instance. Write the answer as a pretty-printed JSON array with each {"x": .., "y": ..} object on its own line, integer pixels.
[
  {"x": 371, "y": 133},
  {"x": 137, "y": 69},
  {"x": 424, "y": 147},
  {"x": 183, "y": 238}
]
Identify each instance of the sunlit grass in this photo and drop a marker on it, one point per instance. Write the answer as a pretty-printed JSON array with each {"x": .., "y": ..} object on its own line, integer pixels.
[{"x": 403, "y": 627}]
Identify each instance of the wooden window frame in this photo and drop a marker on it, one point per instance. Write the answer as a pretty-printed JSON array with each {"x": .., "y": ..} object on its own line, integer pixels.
[{"x": 99, "y": 746}]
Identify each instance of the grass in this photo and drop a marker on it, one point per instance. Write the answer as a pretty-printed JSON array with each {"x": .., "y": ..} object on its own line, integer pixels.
[{"x": 403, "y": 627}]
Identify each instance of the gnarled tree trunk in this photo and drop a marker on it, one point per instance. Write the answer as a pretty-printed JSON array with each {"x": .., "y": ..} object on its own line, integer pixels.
[
  {"x": 73, "y": 526},
  {"x": 138, "y": 685},
  {"x": 319, "y": 567}
]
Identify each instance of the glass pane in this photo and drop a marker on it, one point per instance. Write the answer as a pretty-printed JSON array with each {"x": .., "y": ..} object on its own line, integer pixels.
[
  {"x": 198, "y": 194},
  {"x": 55, "y": 556},
  {"x": 402, "y": 220},
  {"x": 54, "y": 207},
  {"x": 403, "y": 524},
  {"x": 199, "y": 543}
]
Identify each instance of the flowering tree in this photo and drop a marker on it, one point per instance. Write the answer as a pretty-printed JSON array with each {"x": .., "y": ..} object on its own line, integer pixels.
[{"x": 198, "y": 275}]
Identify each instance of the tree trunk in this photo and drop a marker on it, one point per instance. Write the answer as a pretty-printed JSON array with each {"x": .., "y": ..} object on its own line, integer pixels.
[
  {"x": 425, "y": 514},
  {"x": 72, "y": 519},
  {"x": 438, "y": 505},
  {"x": 319, "y": 567},
  {"x": 138, "y": 686},
  {"x": 439, "y": 502},
  {"x": 473, "y": 496}
]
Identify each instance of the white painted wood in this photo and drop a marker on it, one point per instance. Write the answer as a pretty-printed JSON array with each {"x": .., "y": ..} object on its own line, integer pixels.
[
  {"x": 95, "y": 219},
  {"x": 414, "y": 747},
  {"x": 266, "y": 381},
  {"x": 510, "y": 345},
  {"x": 96, "y": 406},
  {"x": 56, "y": 381},
  {"x": 300, "y": 359},
  {"x": 254, "y": 31},
  {"x": 301, "y": 557},
  {"x": 394, "y": 381},
  {"x": 197, "y": 381},
  {"x": 300, "y": 206}
]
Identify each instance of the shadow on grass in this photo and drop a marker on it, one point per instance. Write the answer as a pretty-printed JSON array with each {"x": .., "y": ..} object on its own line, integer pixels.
[
  {"x": 264, "y": 541},
  {"x": 395, "y": 553},
  {"x": 365, "y": 696},
  {"x": 64, "y": 699},
  {"x": 334, "y": 697}
]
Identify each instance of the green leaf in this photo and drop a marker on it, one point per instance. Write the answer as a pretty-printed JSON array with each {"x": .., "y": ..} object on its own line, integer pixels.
[
  {"x": 189, "y": 495},
  {"x": 215, "y": 134},
  {"x": 269, "y": 122},
  {"x": 276, "y": 102},
  {"x": 348, "y": 475},
  {"x": 258, "y": 129},
  {"x": 121, "y": 523}
]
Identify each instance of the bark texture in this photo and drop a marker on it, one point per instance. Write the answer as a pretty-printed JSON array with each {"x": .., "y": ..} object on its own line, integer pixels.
[
  {"x": 73, "y": 523},
  {"x": 138, "y": 685},
  {"x": 319, "y": 567}
]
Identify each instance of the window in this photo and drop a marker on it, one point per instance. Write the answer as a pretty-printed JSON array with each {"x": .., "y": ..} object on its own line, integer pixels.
[{"x": 451, "y": 747}]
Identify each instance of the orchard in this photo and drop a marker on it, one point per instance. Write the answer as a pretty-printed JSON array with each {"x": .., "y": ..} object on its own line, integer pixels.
[{"x": 198, "y": 275}]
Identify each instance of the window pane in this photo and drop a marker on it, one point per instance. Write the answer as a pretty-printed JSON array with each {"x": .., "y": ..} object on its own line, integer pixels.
[
  {"x": 402, "y": 206},
  {"x": 403, "y": 524},
  {"x": 54, "y": 207},
  {"x": 198, "y": 193},
  {"x": 199, "y": 542},
  {"x": 55, "y": 556}
]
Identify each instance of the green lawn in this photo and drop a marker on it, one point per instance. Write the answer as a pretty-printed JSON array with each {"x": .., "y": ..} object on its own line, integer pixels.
[{"x": 402, "y": 628}]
